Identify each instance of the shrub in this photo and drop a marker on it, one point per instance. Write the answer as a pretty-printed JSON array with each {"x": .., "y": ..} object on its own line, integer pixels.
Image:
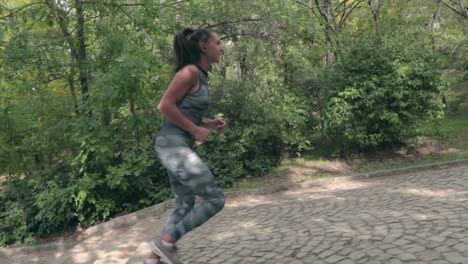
[{"x": 377, "y": 93}]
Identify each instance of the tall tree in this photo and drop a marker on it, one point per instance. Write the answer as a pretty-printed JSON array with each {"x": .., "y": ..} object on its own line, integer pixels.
[
  {"x": 376, "y": 7},
  {"x": 333, "y": 16}
]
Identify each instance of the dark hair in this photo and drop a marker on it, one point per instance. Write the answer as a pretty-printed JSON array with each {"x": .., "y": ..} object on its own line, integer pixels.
[{"x": 187, "y": 46}]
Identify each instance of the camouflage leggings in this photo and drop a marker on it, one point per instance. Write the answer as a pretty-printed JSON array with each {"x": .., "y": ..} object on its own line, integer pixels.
[{"x": 188, "y": 176}]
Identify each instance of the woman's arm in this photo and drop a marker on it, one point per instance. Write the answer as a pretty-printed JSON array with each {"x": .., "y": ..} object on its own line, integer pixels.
[
  {"x": 206, "y": 121},
  {"x": 183, "y": 82},
  {"x": 217, "y": 124}
]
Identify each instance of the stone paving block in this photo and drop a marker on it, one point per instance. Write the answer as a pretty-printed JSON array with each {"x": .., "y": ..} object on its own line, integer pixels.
[
  {"x": 406, "y": 257},
  {"x": 455, "y": 257},
  {"x": 346, "y": 261},
  {"x": 334, "y": 259},
  {"x": 462, "y": 247},
  {"x": 428, "y": 255}
]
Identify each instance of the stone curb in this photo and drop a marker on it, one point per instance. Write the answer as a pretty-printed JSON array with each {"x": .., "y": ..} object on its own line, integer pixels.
[
  {"x": 162, "y": 207},
  {"x": 318, "y": 182},
  {"x": 124, "y": 220}
]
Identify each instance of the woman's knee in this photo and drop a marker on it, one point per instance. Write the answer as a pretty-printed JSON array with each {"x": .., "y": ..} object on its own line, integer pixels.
[
  {"x": 218, "y": 201},
  {"x": 185, "y": 207}
]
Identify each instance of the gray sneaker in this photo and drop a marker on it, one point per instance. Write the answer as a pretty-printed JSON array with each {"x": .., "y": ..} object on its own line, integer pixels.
[
  {"x": 168, "y": 254},
  {"x": 151, "y": 261}
]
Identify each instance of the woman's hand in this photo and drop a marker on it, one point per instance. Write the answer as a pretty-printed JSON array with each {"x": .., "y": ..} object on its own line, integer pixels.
[
  {"x": 201, "y": 134},
  {"x": 216, "y": 124}
]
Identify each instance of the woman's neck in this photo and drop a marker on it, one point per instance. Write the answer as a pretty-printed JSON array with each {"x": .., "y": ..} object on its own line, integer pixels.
[{"x": 204, "y": 64}]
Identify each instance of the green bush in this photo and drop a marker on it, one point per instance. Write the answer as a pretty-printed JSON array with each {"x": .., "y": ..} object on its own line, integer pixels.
[
  {"x": 113, "y": 170},
  {"x": 377, "y": 93},
  {"x": 13, "y": 224},
  {"x": 264, "y": 123}
]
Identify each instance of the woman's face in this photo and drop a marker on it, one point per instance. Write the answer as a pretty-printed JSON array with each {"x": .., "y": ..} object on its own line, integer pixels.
[{"x": 214, "y": 50}]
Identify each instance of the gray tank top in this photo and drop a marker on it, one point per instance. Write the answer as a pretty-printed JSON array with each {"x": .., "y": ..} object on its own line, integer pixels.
[{"x": 193, "y": 106}]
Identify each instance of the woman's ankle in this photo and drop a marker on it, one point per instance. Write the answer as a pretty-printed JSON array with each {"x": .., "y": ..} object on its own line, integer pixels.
[
  {"x": 168, "y": 239},
  {"x": 152, "y": 261},
  {"x": 154, "y": 256}
]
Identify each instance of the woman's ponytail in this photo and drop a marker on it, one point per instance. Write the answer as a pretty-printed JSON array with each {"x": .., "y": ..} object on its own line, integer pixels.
[{"x": 187, "y": 46}]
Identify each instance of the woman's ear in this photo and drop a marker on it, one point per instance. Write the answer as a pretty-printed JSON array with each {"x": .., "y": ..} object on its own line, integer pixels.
[{"x": 203, "y": 47}]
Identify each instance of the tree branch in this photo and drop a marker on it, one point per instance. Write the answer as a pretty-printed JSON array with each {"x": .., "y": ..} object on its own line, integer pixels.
[
  {"x": 302, "y": 4},
  {"x": 20, "y": 9},
  {"x": 462, "y": 12},
  {"x": 233, "y": 22},
  {"x": 143, "y": 4},
  {"x": 63, "y": 24},
  {"x": 351, "y": 9},
  {"x": 259, "y": 34},
  {"x": 317, "y": 4}
]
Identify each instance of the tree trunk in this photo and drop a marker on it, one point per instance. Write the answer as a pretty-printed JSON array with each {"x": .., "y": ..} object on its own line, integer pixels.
[
  {"x": 62, "y": 21},
  {"x": 331, "y": 28},
  {"x": 177, "y": 17},
  {"x": 376, "y": 6},
  {"x": 329, "y": 59},
  {"x": 435, "y": 17},
  {"x": 71, "y": 85},
  {"x": 131, "y": 106},
  {"x": 243, "y": 61},
  {"x": 81, "y": 49},
  {"x": 243, "y": 65}
]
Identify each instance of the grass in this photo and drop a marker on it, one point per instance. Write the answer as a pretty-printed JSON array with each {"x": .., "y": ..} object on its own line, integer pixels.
[
  {"x": 385, "y": 165},
  {"x": 439, "y": 141},
  {"x": 451, "y": 132}
]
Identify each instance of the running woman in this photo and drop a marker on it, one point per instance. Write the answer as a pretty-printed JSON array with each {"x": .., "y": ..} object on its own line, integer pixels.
[{"x": 183, "y": 105}]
